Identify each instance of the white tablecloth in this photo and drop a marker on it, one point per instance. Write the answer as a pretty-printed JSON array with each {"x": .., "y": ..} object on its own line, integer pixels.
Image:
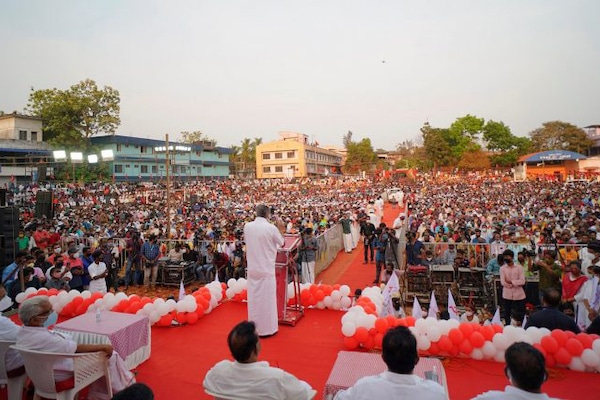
[{"x": 128, "y": 334}]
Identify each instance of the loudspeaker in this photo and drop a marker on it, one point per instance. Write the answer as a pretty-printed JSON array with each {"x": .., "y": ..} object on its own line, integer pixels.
[
  {"x": 2, "y": 197},
  {"x": 43, "y": 205},
  {"x": 9, "y": 229}
]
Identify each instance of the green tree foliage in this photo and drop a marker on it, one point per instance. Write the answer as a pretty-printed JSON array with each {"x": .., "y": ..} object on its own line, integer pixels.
[
  {"x": 558, "y": 135},
  {"x": 437, "y": 149},
  {"x": 463, "y": 133},
  {"x": 360, "y": 157},
  {"x": 347, "y": 139},
  {"x": 195, "y": 137},
  {"x": 77, "y": 113},
  {"x": 244, "y": 156}
]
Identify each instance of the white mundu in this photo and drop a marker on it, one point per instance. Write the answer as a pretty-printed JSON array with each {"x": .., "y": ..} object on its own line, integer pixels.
[{"x": 262, "y": 241}]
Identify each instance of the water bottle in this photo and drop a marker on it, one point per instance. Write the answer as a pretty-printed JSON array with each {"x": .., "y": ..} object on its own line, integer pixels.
[{"x": 97, "y": 315}]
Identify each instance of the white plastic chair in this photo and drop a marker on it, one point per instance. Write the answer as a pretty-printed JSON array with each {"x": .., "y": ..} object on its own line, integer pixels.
[
  {"x": 87, "y": 368},
  {"x": 14, "y": 384}
]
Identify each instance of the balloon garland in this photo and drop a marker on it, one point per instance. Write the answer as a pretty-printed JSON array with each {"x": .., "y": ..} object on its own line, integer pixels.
[{"x": 363, "y": 328}]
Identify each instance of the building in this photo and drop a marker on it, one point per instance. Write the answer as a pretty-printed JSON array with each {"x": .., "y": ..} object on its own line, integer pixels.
[
  {"x": 560, "y": 165},
  {"x": 24, "y": 155},
  {"x": 593, "y": 133},
  {"x": 143, "y": 159},
  {"x": 292, "y": 156}
]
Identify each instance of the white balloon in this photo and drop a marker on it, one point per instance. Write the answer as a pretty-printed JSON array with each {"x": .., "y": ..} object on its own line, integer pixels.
[
  {"x": 544, "y": 332},
  {"x": 346, "y": 302},
  {"x": 488, "y": 349},
  {"x": 21, "y": 297},
  {"x": 121, "y": 296},
  {"x": 161, "y": 309},
  {"x": 590, "y": 358},
  {"x": 499, "y": 357},
  {"x": 453, "y": 323},
  {"x": 30, "y": 290},
  {"x": 230, "y": 293},
  {"x": 534, "y": 333},
  {"x": 414, "y": 331},
  {"x": 500, "y": 342},
  {"x": 424, "y": 342},
  {"x": 421, "y": 325},
  {"x": 576, "y": 364},
  {"x": 349, "y": 329},
  {"x": 345, "y": 290},
  {"x": 477, "y": 354},
  {"x": 337, "y": 305},
  {"x": 158, "y": 301},
  {"x": 328, "y": 301},
  {"x": 335, "y": 295},
  {"x": 154, "y": 316},
  {"x": 171, "y": 304},
  {"x": 231, "y": 282},
  {"x": 108, "y": 296},
  {"x": 434, "y": 333},
  {"x": 148, "y": 307},
  {"x": 180, "y": 306},
  {"x": 243, "y": 282},
  {"x": 86, "y": 294},
  {"x": 596, "y": 346},
  {"x": 62, "y": 295},
  {"x": 190, "y": 306}
]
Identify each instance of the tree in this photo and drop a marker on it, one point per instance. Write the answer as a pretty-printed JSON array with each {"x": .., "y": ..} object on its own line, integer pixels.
[
  {"x": 195, "y": 137},
  {"x": 475, "y": 160},
  {"x": 558, "y": 135},
  {"x": 245, "y": 156},
  {"x": 83, "y": 111},
  {"x": 360, "y": 157},
  {"x": 463, "y": 133},
  {"x": 437, "y": 149},
  {"x": 347, "y": 139}
]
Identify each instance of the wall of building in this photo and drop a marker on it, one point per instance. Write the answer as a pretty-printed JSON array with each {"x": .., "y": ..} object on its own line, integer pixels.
[{"x": 15, "y": 127}]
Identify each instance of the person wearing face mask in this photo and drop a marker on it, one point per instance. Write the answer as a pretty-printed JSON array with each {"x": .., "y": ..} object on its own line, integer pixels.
[
  {"x": 512, "y": 278},
  {"x": 37, "y": 315},
  {"x": 526, "y": 372},
  {"x": 469, "y": 316},
  {"x": 29, "y": 279},
  {"x": 57, "y": 279}
]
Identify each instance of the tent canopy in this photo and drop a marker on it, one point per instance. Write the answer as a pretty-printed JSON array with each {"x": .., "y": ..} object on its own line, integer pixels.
[{"x": 552, "y": 155}]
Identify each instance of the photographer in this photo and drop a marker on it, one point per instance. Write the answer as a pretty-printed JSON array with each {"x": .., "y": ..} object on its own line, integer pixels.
[
  {"x": 550, "y": 272},
  {"x": 367, "y": 230},
  {"x": 308, "y": 256},
  {"x": 413, "y": 249},
  {"x": 380, "y": 244}
]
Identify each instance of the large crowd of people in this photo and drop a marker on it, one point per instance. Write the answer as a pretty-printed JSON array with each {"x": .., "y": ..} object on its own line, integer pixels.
[{"x": 516, "y": 232}]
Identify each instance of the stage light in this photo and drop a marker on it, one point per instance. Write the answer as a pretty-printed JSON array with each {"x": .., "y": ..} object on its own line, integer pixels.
[
  {"x": 92, "y": 158},
  {"x": 107, "y": 155},
  {"x": 59, "y": 155},
  {"x": 76, "y": 157}
]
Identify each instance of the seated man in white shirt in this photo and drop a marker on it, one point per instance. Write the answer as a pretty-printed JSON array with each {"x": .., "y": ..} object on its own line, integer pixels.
[
  {"x": 248, "y": 378},
  {"x": 526, "y": 371},
  {"x": 9, "y": 331},
  {"x": 36, "y": 314},
  {"x": 399, "y": 351},
  {"x": 176, "y": 254}
]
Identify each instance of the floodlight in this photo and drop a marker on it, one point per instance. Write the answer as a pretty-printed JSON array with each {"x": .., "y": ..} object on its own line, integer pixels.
[
  {"x": 92, "y": 158},
  {"x": 107, "y": 155},
  {"x": 59, "y": 155},
  {"x": 76, "y": 157}
]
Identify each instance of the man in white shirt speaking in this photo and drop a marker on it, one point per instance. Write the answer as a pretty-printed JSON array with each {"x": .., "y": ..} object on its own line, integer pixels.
[
  {"x": 399, "y": 352},
  {"x": 248, "y": 378}
]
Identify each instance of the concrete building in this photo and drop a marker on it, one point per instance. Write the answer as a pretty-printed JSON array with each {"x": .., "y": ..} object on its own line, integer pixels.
[
  {"x": 138, "y": 159},
  {"x": 292, "y": 156},
  {"x": 24, "y": 155}
]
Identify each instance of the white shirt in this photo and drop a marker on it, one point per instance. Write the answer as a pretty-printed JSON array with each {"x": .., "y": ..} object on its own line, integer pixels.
[
  {"x": 389, "y": 385},
  {"x": 513, "y": 393},
  {"x": 262, "y": 241},
  {"x": 234, "y": 380},
  {"x": 41, "y": 339},
  {"x": 9, "y": 331},
  {"x": 97, "y": 285}
]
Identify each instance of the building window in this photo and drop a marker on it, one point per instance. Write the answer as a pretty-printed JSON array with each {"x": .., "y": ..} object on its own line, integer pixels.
[
  {"x": 127, "y": 166},
  {"x": 144, "y": 169},
  {"x": 279, "y": 168},
  {"x": 154, "y": 169},
  {"x": 278, "y": 155},
  {"x": 118, "y": 147},
  {"x": 143, "y": 149},
  {"x": 266, "y": 170},
  {"x": 22, "y": 135},
  {"x": 118, "y": 169},
  {"x": 266, "y": 156},
  {"x": 34, "y": 136},
  {"x": 291, "y": 154}
]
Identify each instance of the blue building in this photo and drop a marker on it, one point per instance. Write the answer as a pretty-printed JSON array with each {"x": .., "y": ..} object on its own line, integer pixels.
[{"x": 138, "y": 159}]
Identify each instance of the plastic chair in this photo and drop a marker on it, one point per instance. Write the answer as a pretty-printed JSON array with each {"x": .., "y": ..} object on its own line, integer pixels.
[
  {"x": 87, "y": 368},
  {"x": 17, "y": 377}
]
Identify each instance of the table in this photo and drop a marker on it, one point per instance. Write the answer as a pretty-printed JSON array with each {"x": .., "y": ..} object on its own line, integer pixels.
[
  {"x": 128, "y": 334},
  {"x": 350, "y": 366}
]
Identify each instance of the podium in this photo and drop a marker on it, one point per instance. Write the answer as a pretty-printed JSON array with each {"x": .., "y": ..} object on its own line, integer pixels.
[{"x": 286, "y": 266}]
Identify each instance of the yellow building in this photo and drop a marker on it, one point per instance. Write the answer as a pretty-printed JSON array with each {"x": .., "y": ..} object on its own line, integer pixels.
[{"x": 292, "y": 156}]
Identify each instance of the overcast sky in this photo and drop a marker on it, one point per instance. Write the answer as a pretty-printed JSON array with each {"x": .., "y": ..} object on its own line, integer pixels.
[{"x": 235, "y": 69}]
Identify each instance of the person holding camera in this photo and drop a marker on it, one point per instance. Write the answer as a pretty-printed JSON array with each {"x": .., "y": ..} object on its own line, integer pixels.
[
  {"x": 414, "y": 249},
  {"x": 550, "y": 272},
  {"x": 380, "y": 243},
  {"x": 367, "y": 230}
]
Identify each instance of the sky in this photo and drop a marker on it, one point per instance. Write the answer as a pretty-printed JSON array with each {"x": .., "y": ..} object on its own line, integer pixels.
[{"x": 238, "y": 69}]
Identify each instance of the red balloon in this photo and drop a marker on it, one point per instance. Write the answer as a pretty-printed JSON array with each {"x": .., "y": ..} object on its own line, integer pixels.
[
  {"x": 337, "y": 286},
  {"x": 549, "y": 344},
  {"x": 319, "y": 295},
  {"x": 42, "y": 291},
  {"x": 369, "y": 343},
  {"x": 77, "y": 300},
  {"x": 487, "y": 332},
  {"x": 562, "y": 356},
  {"x": 454, "y": 351},
  {"x": 305, "y": 294},
  {"x": 444, "y": 343},
  {"x": 574, "y": 347},
  {"x": 200, "y": 310},
  {"x": 165, "y": 320},
  {"x": 540, "y": 349},
  {"x": 456, "y": 336},
  {"x": 361, "y": 334},
  {"x": 550, "y": 361},
  {"x": 223, "y": 286},
  {"x": 382, "y": 325},
  {"x": 350, "y": 343},
  {"x": 313, "y": 288},
  {"x": 410, "y": 320},
  {"x": 477, "y": 340},
  {"x": 466, "y": 329},
  {"x": 497, "y": 328},
  {"x": 192, "y": 318},
  {"x": 80, "y": 309},
  {"x": 378, "y": 340},
  {"x": 560, "y": 336},
  {"x": 585, "y": 339},
  {"x": 465, "y": 347},
  {"x": 401, "y": 322},
  {"x": 570, "y": 334},
  {"x": 434, "y": 349},
  {"x": 181, "y": 317}
]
